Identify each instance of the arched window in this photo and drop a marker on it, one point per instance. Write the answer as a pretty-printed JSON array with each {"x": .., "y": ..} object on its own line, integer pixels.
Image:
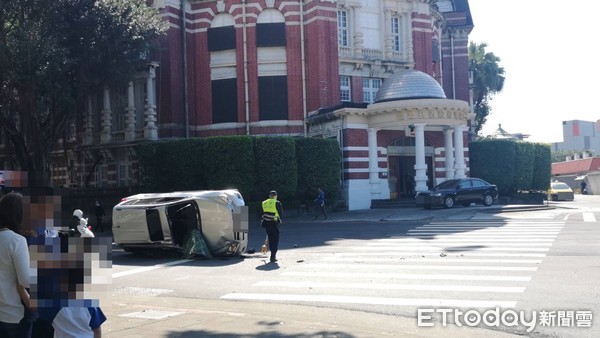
[
  {"x": 272, "y": 65},
  {"x": 221, "y": 45}
]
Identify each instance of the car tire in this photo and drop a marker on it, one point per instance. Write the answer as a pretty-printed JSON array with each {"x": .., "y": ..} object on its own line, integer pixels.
[
  {"x": 448, "y": 202},
  {"x": 488, "y": 200}
]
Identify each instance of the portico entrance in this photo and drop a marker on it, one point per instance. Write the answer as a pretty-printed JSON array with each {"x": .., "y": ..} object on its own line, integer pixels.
[{"x": 401, "y": 165}]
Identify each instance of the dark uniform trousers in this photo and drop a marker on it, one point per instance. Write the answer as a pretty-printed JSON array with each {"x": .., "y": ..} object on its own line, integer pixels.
[{"x": 272, "y": 229}]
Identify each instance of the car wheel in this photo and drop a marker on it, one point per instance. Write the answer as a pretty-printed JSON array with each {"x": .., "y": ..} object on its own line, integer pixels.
[
  {"x": 448, "y": 202},
  {"x": 488, "y": 200},
  {"x": 555, "y": 197}
]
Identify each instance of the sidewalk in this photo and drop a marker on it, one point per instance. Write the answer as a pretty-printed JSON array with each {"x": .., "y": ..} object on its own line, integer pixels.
[
  {"x": 169, "y": 317},
  {"x": 418, "y": 214}
]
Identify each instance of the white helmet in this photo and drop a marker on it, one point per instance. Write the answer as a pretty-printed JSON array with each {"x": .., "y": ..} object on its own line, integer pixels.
[{"x": 78, "y": 213}]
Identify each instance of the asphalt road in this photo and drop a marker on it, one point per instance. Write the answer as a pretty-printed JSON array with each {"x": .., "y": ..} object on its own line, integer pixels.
[{"x": 369, "y": 273}]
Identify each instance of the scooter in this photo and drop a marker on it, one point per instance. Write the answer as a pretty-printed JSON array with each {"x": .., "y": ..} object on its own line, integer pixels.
[{"x": 83, "y": 228}]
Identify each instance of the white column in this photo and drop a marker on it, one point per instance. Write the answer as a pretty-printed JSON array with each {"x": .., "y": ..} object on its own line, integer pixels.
[
  {"x": 150, "y": 129},
  {"x": 358, "y": 41},
  {"x": 373, "y": 159},
  {"x": 459, "y": 152},
  {"x": 449, "y": 151},
  {"x": 420, "y": 165},
  {"x": 106, "y": 134},
  {"x": 387, "y": 31},
  {"x": 130, "y": 113}
]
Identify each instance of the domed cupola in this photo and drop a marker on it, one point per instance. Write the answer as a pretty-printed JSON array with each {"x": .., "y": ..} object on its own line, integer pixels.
[{"x": 409, "y": 84}]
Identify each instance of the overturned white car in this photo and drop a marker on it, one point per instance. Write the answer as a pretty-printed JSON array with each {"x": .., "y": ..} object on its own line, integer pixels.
[{"x": 166, "y": 220}]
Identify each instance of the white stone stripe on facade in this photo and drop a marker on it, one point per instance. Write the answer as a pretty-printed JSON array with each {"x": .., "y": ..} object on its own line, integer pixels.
[{"x": 354, "y": 148}]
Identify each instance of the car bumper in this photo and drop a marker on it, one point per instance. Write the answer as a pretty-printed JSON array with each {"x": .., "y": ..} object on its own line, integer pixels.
[
  {"x": 423, "y": 200},
  {"x": 563, "y": 196}
]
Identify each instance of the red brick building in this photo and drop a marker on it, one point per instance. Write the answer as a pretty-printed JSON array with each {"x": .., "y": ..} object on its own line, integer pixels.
[{"x": 276, "y": 67}]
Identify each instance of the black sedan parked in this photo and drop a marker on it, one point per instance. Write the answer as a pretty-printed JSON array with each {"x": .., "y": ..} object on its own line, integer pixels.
[{"x": 458, "y": 191}]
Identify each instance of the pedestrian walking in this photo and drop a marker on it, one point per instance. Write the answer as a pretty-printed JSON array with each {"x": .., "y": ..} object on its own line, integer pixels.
[
  {"x": 320, "y": 204},
  {"x": 99, "y": 211},
  {"x": 271, "y": 218}
]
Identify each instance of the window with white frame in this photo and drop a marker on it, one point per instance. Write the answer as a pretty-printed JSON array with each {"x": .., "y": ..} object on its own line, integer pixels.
[
  {"x": 396, "y": 33},
  {"x": 370, "y": 89},
  {"x": 342, "y": 24},
  {"x": 345, "y": 88},
  {"x": 123, "y": 175}
]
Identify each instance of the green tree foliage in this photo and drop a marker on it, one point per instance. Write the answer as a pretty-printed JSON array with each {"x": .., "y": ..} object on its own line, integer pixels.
[
  {"x": 53, "y": 53},
  {"x": 276, "y": 167},
  {"x": 488, "y": 79},
  {"x": 229, "y": 163},
  {"x": 319, "y": 164},
  {"x": 561, "y": 155}
]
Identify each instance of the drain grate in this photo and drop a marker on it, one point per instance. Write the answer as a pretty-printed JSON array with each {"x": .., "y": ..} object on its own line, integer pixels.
[
  {"x": 151, "y": 314},
  {"x": 130, "y": 290}
]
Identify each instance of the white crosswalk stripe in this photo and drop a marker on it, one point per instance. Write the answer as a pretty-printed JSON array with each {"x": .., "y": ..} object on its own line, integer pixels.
[{"x": 466, "y": 264}]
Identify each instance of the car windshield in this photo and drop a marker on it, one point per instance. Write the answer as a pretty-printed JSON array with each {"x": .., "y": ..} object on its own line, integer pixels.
[
  {"x": 560, "y": 186},
  {"x": 448, "y": 184}
]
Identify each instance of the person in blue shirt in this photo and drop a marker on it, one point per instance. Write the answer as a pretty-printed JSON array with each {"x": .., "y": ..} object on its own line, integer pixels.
[{"x": 320, "y": 204}]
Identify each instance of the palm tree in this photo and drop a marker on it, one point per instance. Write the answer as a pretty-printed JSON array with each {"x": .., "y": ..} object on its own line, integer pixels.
[{"x": 488, "y": 79}]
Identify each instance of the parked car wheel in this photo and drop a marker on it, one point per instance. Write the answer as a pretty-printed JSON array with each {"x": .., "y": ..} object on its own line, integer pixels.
[
  {"x": 448, "y": 202},
  {"x": 488, "y": 200}
]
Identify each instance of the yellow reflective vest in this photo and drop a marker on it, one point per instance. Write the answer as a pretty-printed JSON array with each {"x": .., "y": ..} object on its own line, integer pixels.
[{"x": 269, "y": 207}]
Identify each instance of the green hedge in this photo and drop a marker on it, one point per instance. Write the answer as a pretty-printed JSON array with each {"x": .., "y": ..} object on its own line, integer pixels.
[
  {"x": 276, "y": 167},
  {"x": 542, "y": 167},
  {"x": 294, "y": 167},
  {"x": 512, "y": 165},
  {"x": 229, "y": 163},
  {"x": 524, "y": 160},
  {"x": 319, "y": 165},
  {"x": 493, "y": 161}
]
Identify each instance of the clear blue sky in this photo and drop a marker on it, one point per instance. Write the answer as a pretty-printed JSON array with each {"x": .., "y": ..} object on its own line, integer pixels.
[{"x": 548, "y": 50}]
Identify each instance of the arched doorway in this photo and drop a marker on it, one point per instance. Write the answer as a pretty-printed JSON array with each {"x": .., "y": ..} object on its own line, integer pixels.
[{"x": 401, "y": 166}]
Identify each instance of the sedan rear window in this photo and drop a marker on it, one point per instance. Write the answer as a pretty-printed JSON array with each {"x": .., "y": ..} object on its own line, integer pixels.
[{"x": 560, "y": 186}]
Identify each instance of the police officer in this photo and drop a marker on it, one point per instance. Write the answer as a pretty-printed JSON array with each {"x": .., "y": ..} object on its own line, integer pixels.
[{"x": 271, "y": 217}]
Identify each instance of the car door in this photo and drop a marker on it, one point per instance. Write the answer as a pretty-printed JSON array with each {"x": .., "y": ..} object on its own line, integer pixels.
[
  {"x": 463, "y": 192},
  {"x": 479, "y": 188}
]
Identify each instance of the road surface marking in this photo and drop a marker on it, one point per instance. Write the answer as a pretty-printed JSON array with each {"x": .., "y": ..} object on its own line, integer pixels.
[
  {"x": 439, "y": 260},
  {"x": 382, "y": 286},
  {"x": 372, "y": 275},
  {"x": 346, "y": 267},
  {"x": 150, "y": 268},
  {"x": 370, "y": 300},
  {"x": 589, "y": 217}
]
